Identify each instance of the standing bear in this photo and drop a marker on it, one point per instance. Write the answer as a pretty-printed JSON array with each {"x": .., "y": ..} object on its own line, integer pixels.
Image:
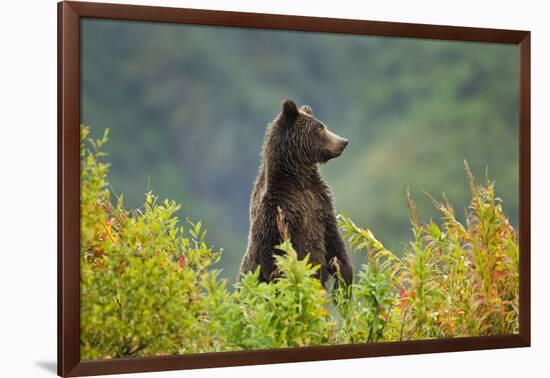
[{"x": 295, "y": 144}]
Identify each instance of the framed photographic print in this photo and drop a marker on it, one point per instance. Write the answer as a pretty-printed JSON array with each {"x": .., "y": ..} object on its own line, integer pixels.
[{"x": 240, "y": 188}]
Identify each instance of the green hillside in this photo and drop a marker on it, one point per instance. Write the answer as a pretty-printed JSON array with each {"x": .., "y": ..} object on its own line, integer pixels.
[{"x": 187, "y": 107}]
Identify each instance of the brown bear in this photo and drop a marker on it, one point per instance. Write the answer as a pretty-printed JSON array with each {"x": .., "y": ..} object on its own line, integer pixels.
[{"x": 295, "y": 144}]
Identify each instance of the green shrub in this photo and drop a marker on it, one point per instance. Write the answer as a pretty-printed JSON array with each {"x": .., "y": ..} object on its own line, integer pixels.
[
  {"x": 148, "y": 286},
  {"x": 289, "y": 312},
  {"x": 365, "y": 315},
  {"x": 453, "y": 280}
]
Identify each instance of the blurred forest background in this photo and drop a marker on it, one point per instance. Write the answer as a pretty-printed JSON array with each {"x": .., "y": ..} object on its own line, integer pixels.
[{"x": 187, "y": 107}]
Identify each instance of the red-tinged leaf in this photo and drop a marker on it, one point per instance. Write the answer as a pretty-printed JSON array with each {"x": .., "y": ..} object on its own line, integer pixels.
[
  {"x": 404, "y": 298},
  {"x": 182, "y": 261}
]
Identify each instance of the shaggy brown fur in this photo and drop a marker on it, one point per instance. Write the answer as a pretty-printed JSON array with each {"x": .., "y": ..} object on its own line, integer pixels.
[{"x": 294, "y": 145}]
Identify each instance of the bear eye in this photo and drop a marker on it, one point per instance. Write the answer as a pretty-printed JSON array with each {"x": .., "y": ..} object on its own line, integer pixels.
[{"x": 319, "y": 128}]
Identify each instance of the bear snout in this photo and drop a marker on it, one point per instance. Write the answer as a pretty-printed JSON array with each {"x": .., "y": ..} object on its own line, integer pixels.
[{"x": 342, "y": 144}]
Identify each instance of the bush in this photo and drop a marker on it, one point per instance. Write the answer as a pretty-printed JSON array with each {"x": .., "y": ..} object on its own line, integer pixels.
[
  {"x": 148, "y": 286},
  {"x": 289, "y": 312},
  {"x": 453, "y": 280},
  {"x": 145, "y": 284}
]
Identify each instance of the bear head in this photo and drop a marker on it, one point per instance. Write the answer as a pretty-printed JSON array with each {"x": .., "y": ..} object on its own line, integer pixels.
[{"x": 297, "y": 137}]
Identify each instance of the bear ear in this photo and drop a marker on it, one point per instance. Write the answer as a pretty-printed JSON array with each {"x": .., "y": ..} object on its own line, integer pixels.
[
  {"x": 306, "y": 109},
  {"x": 290, "y": 111}
]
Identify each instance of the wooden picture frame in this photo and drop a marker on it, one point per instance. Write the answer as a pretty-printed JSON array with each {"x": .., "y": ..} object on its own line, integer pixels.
[{"x": 69, "y": 17}]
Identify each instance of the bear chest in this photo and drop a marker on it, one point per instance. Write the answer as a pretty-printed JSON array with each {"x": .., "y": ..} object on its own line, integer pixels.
[{"x": 308, "y": 211}]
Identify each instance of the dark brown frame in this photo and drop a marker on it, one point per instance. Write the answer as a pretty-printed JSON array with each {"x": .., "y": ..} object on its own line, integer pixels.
[{"x": 69, "y": 15}]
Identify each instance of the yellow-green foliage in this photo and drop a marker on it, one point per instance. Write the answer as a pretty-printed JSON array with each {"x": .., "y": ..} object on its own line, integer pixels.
[
  {"x": 148, "y": 286},
  {"x": 145, "y": 284},
  {"x": 291, "y": 311},
  {"x": 454, "y": 280}
]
